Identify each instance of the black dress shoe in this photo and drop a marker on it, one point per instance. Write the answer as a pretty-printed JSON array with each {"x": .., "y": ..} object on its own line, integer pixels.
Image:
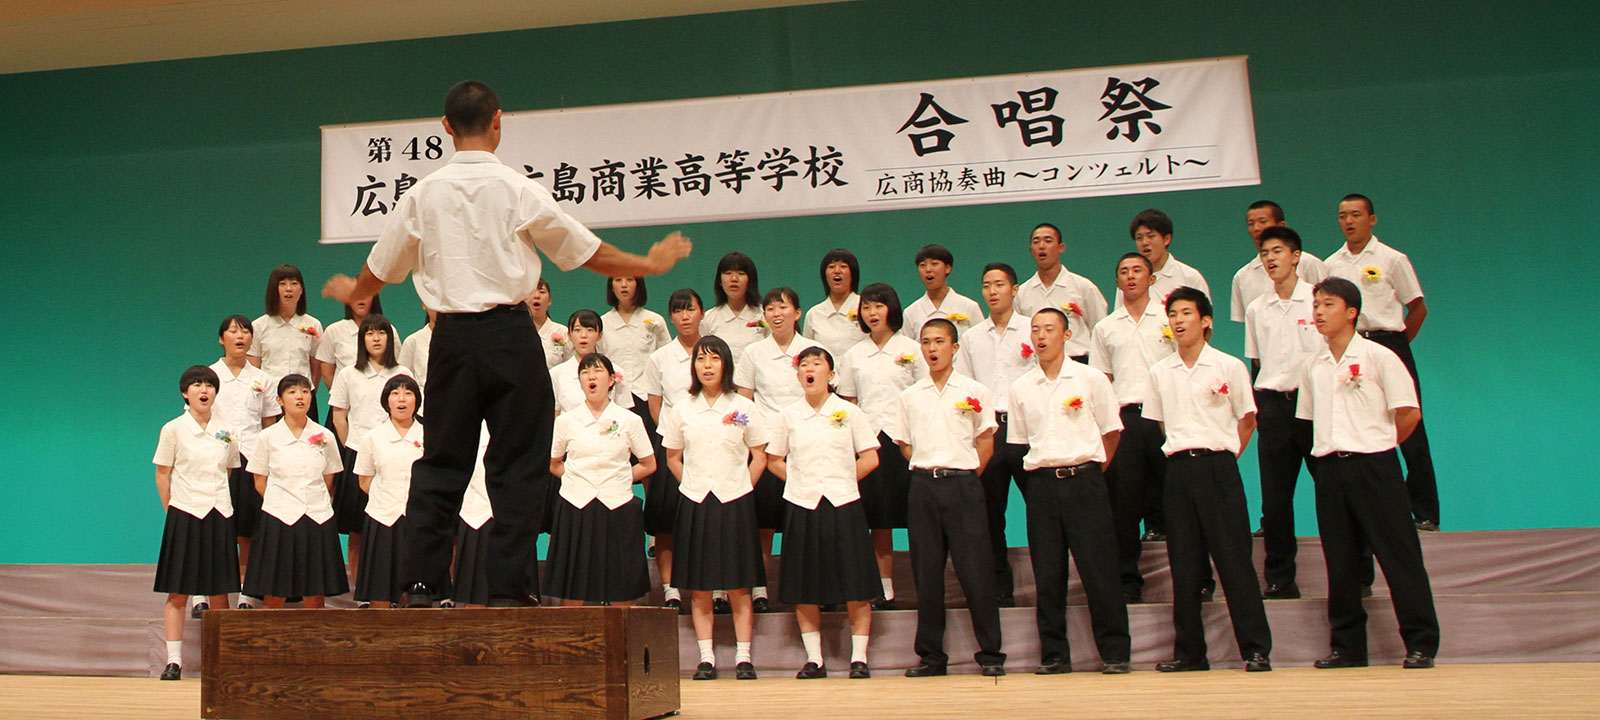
[
  {"x": 883, "y": 604},
  {"x": 706, "y": 671},
  {"x": 1338, "y": 659},
  {"x": 721, "y": 606},
  {"x": 761, "y": 605},
  {"x": 673, "y": 603},
  {"x": 1007, "y": 601},
  {"x": 198, "y": 608},
  {"x": 811, "y": 671},
  {"x": 1133, "y": 597},
  {"x": 419, "y": 595},
  {"x": 994, "y": 670},
  {"x": 1183, "y": 665},
  {"x": 1207, "y": 594},
  {"x": 1153, "y": 536},
  {"x": 1117, "y": 668},
  {"x": 1054, "y": 665},
  {"x": 1257, "y": 662},
  {"x": 1289, "y": 591},
  {"x": 1428, "y": 526},
  {"x": 859, "y": 671},
  {"x": 172, "y": 672},
  {"x": 1416, "y": 660},
  {"x": 925, "y": 670},
  {"x": 1259, "y": 533},
  {"x": 744, "y": 671},
  {"x": 1366, "y": 591}
]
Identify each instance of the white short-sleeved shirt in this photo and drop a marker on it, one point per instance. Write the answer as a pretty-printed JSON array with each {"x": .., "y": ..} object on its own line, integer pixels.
[
  {"x": 475, "y": 507},
  {"x": 1351, "y": 400},
  {"x": 1252, "y": 281},
  {"x": 667, "y": 375},
  {"x": 557, "y": 346},
  {"x": 357, "y": 392},
  {"x": 957, "y": 308},
  {"x": 1200, "y": 407},
  {"x": 597, "y": 452},
  {"x": 1282, "y": 334},
  {"x": 1062, "y": 420},
  {"x": 940, "y": 425},
  {"x": 386, "y": 456},
  {"x": 874, "y": 376},
  {"x": 715, "y": 439},
  {"x": 295, "y": 470},
  {"x": 1386, "y": 279},
  {"x": 996, "y": 358},
  {"x": 414, "y": 355},
  {"x": 200, "y": 458},
  {"x": 1074, "y": 295},
  {"x": 1125, "y": 348},
  {"x": 1175, "y": 274},
  {"x": 738, "y": 330},
  {"x": 284, "y": 346},
  {"x": 819, "y": 447},
  {"x": 835, "y": 328},
  {"x": 569, "y": 391},
  {"x": 629, "y": 343},
  {"x": 243, "y": 401},
  {"x": 468, "y": 232},
  {"x": 769, "y": 371},
  {"x": 339, "y": 345}
]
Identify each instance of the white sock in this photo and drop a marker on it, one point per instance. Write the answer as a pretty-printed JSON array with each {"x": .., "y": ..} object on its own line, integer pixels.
[
  {"x": 858, "y": 648},
  {"x": 888, "y": 588},
  {"x": 196, "y": 600},
  {"x": 706, "y": 653},
  {"x": 759, "y": 591},
  {"x": 741, "y": 652},
  {"x": 175, "y": 651},
  {"x": 719, "y": 594},
  {"x": 813, "y": 643},
  {"x": 669, "y": 592}
]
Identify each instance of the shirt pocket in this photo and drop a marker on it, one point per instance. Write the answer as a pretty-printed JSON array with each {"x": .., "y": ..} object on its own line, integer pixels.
[{"x": 1309, "y": 339}]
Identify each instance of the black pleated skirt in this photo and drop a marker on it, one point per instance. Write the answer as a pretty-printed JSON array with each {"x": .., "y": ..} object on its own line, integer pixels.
[
  {"x": 549, "y": 487},
  {"x": 827, "y": 556},
  {"x": 715, "y": 545},
  {"x": 199, "y": 556},
  {"x": 349, "y": 503},
  {"x": 884, "y": 491},
  {"x": 597, "y": 554},
  {"x": 381, "y": 574},
  {"x": 661, "y": 500},
  {"x": 770, "y": 505},
  {"x": 300, "y": 560},
  {"x": 246, "y": 501},
  {"x": 471, "y": 584}
]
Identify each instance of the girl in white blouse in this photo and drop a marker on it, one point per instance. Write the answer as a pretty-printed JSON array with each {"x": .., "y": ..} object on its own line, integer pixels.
[
  {"x": 632, "y": 333},
  {"x": 285, "y": 339},
  {"x": 666, "y": 383},
  {"x": 383, "y": 466},
  {"x": 355, "y": 407},
  {"x": 736, "y": 318},
  {"x": 586, "y": 332}
]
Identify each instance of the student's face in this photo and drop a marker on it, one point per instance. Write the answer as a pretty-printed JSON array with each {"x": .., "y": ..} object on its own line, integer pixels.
[
  {"x": 1134, "y": 279},
  {"x": 839, "y": 278},
  {"x": 1188, "y": 325},
  {"x": 376, "y": 342},
  {"x": 595, "y": 381},
  {"x": 289, "y": 292},
  {"x": 1279, "y": 259},
  {"x": 199, "y": 395},
  {"x": 1151, "y": 244},
  {"x": 584, "y": 339},
  {"x": 1331, "y": 314},
  {"x": 296, "y": 401},
  {"x": 934, "y": 273},
  {"x": 539, "y": 301},
  {"x": 708, "y": 367},
  {"x": 876, "y": 315},
  {"x": 687, "y": 320},
  {"x": 781, "y": 316},
  {"x": 1049, "y": 335},
  {"x": 938, "y": 348},
  {"x": 235, "y": 341},
  {"x": 360, "y": 308},
  {"x": 998, "y": 292},
  {"x": 814, "y": 373},
  {"x": 402, "y": 404},
  {"x": 626, "y": 289},
  {"x": 1355, "y": 222},
  {"x": 734, "y": 283},
  {"x": 1045, "y": 246},
  {"x": 1257, "y": 220}
]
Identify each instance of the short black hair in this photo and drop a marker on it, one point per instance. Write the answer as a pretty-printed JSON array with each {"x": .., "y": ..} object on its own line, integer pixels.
[
  {"x": 1362, "y": 198},
  {"x": 1277, "y": 210},
  {"x": 1010, "y": 272},
  {"x": 231, "y": 320},
  {"x": 949, "y": 327},
  {"x": 1153, "y": 219},
  {"x": 683, "y": 299},
  {"x": 372, "y": 322},
  {"x": 585, "y": 318},
  {"x": 1202, "y": 304},
  {"x": 1342, "y": 289},
  {"x": 841, "y": 255},
  {"x": 882, "y": 293},
  {"x": 1137, "y": 256},
  {"x": 376, "y": 308},
  {"x": 781, "y": 293},
  {"x": 294, "y": 380},
  {"x": 197, "y": 374},
  {"x": 711, "y": 345},
  {"x": 470, "y": 106},
  {"x": 936, "y": 252},
  {"x": 738, "y": 262},
  {"x": 1053, "y": 228},
  {"x": 815, "y": 351},
  {"x": 1065, "y": 322},
  {"x": 397, "y": 382},
  {"x": 595, "y": 359},
  {"x": 543, "y": 284},
  {"x": 639, "y": 294},
  {"x": 279, "y": 274},
  {"x": 1282, "y": 234}
]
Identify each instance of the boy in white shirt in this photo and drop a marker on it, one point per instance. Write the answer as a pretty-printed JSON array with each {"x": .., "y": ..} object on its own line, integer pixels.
[
  {"x": 1252, "y": 280},
  {"x": 1151, "y": 231},
  {"x": 934, "y": 263},
  {"x": 1056, "y": 286}
]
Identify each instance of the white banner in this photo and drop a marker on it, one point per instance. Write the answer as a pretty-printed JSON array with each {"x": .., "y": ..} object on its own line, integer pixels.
[{"x": 1073, "y": 133}]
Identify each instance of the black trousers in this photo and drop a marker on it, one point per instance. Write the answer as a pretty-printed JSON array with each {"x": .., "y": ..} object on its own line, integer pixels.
[
  {"x": 1284, "y": 442},
  {"x": 1005, "y": 466},
  {"x": 946, "y": 520},
  {"x": 1206, "y": 514},
  {"x": 1073, "y": 514},
  {"x": 1362, "y": 502},
  {"x": 484, "y": 367},
  {"x": 1421, "y": 484},
  {"x": 1137, "y": 466}
]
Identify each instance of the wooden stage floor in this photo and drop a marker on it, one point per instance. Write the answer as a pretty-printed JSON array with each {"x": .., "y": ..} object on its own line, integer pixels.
[{"x": 1523, "y": 690}]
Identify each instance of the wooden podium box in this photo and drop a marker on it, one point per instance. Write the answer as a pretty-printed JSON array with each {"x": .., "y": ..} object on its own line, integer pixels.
[{"x": 588, "y": 662}]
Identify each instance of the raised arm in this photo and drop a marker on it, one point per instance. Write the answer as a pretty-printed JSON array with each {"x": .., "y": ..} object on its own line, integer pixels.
[{"x": 611, "y": 261}]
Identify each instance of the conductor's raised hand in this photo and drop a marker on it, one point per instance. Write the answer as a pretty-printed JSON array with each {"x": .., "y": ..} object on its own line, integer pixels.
[
  {"x": 668, "y": 251},
  {"x": 340, "y": 287}
]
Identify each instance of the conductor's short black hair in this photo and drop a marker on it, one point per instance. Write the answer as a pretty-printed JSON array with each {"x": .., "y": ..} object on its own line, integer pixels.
[
  {"x": 738, "y": 262},
  {"x": 936, "y": 252},
  {"x": 1342, "y": 289},
  {"x": 397, "y": 382},
  {"x": 232, "y": 320},
  {"x": 198, "y": 375},
  {"x": 639, "y": 293},
  {"x": 1153, "y": 219},
  {"x": 840, "y": 255},
  {"x": 279, "y": 274},
  {"x": 882, "y": 293},
  {"x": 1282, "y": 234},
  {"x": 470, "y": 106}
]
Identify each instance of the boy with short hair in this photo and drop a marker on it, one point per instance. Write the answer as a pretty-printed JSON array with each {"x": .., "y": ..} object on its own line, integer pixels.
[
  {"x": 1151, "y": 231},
  {"x": 934, "y": 263},
  {"x": 1053, "y": 285}
]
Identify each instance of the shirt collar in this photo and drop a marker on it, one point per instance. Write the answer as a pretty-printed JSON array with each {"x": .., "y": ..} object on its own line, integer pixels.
[
  {"x": 1207, "y": 357},
  {"x": 474, "y": 156},
  {"x": 851, "y": 302},
  {"x": 192, "y": 426},
  {"x": 1300, "y": 293}
]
